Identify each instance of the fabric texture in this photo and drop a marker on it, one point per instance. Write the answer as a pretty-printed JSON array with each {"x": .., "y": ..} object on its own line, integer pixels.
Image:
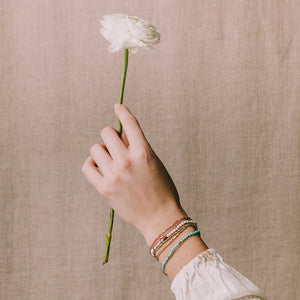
[
  {"x": 207, "y": 276},
  {"x": 218, "y": 100}
]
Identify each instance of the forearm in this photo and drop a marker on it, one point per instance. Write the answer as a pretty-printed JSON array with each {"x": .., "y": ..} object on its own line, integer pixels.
[{"x": 187, "y": 250}]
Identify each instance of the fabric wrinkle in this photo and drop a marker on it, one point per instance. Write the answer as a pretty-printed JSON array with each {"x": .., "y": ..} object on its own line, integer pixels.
[{"x": 207, "y": 276}]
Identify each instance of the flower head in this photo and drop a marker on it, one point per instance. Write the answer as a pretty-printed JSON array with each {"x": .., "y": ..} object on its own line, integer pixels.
[{"x": 123, "y": 31}]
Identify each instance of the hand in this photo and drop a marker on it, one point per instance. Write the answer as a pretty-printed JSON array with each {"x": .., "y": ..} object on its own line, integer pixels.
[{"x": 133, "y": 180}]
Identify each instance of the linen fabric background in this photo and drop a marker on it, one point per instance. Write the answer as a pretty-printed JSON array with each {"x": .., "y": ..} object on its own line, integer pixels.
[{"x": 218, "y": 101}]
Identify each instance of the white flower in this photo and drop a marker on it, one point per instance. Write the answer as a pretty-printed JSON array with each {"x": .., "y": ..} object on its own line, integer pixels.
[{"x": 123, "y": 31}]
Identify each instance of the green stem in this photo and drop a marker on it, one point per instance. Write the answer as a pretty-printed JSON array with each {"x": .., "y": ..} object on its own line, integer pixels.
[
  {"x": 123, "y": 84},
  {"x": 111, "y": 221}
]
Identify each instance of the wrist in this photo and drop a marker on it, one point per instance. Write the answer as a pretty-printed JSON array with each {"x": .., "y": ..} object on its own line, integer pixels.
[{"x": 161, "y": 221}]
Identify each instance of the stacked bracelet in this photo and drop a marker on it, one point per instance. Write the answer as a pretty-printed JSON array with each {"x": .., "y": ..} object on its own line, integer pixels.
[
  {"x": 166, "y": 237},
  {"x": 162, "y": 235},
  {"x": 176, "y": 247},
  {"x": 172, "y": 231},
  {"x": 158, "y": 251}
]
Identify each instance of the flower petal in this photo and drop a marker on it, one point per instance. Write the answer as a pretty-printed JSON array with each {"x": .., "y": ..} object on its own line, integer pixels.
[{"x": 132, "y": 32}]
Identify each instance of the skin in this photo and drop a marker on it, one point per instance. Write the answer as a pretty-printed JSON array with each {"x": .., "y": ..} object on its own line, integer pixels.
[{"x": 135, "y": 183}]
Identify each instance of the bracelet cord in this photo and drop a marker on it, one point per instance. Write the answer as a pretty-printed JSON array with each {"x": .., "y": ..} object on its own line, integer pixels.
[
  {"x": 162, "y": 234},
  {"x": 176, "y": 248},
  {"x": 162, "y": 247},
  {"x": 171, "y": 232}
]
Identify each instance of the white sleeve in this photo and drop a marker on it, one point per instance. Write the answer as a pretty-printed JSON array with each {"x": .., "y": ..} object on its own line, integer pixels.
[{"x": 207, "y": 276}]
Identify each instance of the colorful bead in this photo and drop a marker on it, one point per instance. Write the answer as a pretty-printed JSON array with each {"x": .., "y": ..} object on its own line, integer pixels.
[
  {"x": 159, "y": 242},
  {"x": 175, "y": 247}
]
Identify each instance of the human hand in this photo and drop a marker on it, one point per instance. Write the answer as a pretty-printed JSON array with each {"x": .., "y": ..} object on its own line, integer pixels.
[{"x": 133, "y": 180}]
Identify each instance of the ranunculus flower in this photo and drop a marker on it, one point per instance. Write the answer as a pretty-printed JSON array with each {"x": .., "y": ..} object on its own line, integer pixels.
[
  {"x": 128, "y": 34},
  {"x": 125, "y": 32}
]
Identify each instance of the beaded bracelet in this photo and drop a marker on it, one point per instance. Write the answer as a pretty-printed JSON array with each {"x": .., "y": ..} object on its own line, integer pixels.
[
  {"x": 172, "y": 225},
  {"x": 176, "y": 247},
  {"x": 162, "y": 234},
  {"x": 171, "y": 238},
  {"x": 158, "y": 251},
  {"x": 171, "y": 232},
  {"x": 169, "y": 235}
]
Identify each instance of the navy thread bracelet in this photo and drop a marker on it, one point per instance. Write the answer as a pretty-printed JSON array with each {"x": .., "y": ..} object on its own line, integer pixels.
[{"x": 172, "y": 251}]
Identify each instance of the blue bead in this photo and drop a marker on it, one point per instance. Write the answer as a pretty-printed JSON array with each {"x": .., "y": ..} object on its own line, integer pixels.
[{"x": 172, "y": 251}]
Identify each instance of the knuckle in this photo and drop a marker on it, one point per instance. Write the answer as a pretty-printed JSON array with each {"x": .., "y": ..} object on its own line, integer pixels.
[
  {"x": 144, "y": 154},
  {"x": 106, "y": 188},
  {"x": 114, "y": 178},
  {"x": 132, "y": 119},
  {"x": 105, "y": 191},
  {"x": 124, "y": 164}
]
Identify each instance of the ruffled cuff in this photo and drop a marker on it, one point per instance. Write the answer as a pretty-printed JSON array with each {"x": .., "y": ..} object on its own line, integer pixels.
[{"x": 207, "y": 276}]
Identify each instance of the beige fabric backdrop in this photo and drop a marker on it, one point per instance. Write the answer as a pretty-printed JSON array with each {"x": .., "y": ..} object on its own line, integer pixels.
[{"x": 218, "y": 101}]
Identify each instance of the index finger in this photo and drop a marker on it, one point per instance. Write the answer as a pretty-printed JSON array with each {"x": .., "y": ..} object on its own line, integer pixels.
[{"x": 131, "y": 125}]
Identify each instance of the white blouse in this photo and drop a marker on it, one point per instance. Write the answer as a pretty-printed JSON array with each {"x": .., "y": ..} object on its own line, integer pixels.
[{"x": 207, "y": 276}]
